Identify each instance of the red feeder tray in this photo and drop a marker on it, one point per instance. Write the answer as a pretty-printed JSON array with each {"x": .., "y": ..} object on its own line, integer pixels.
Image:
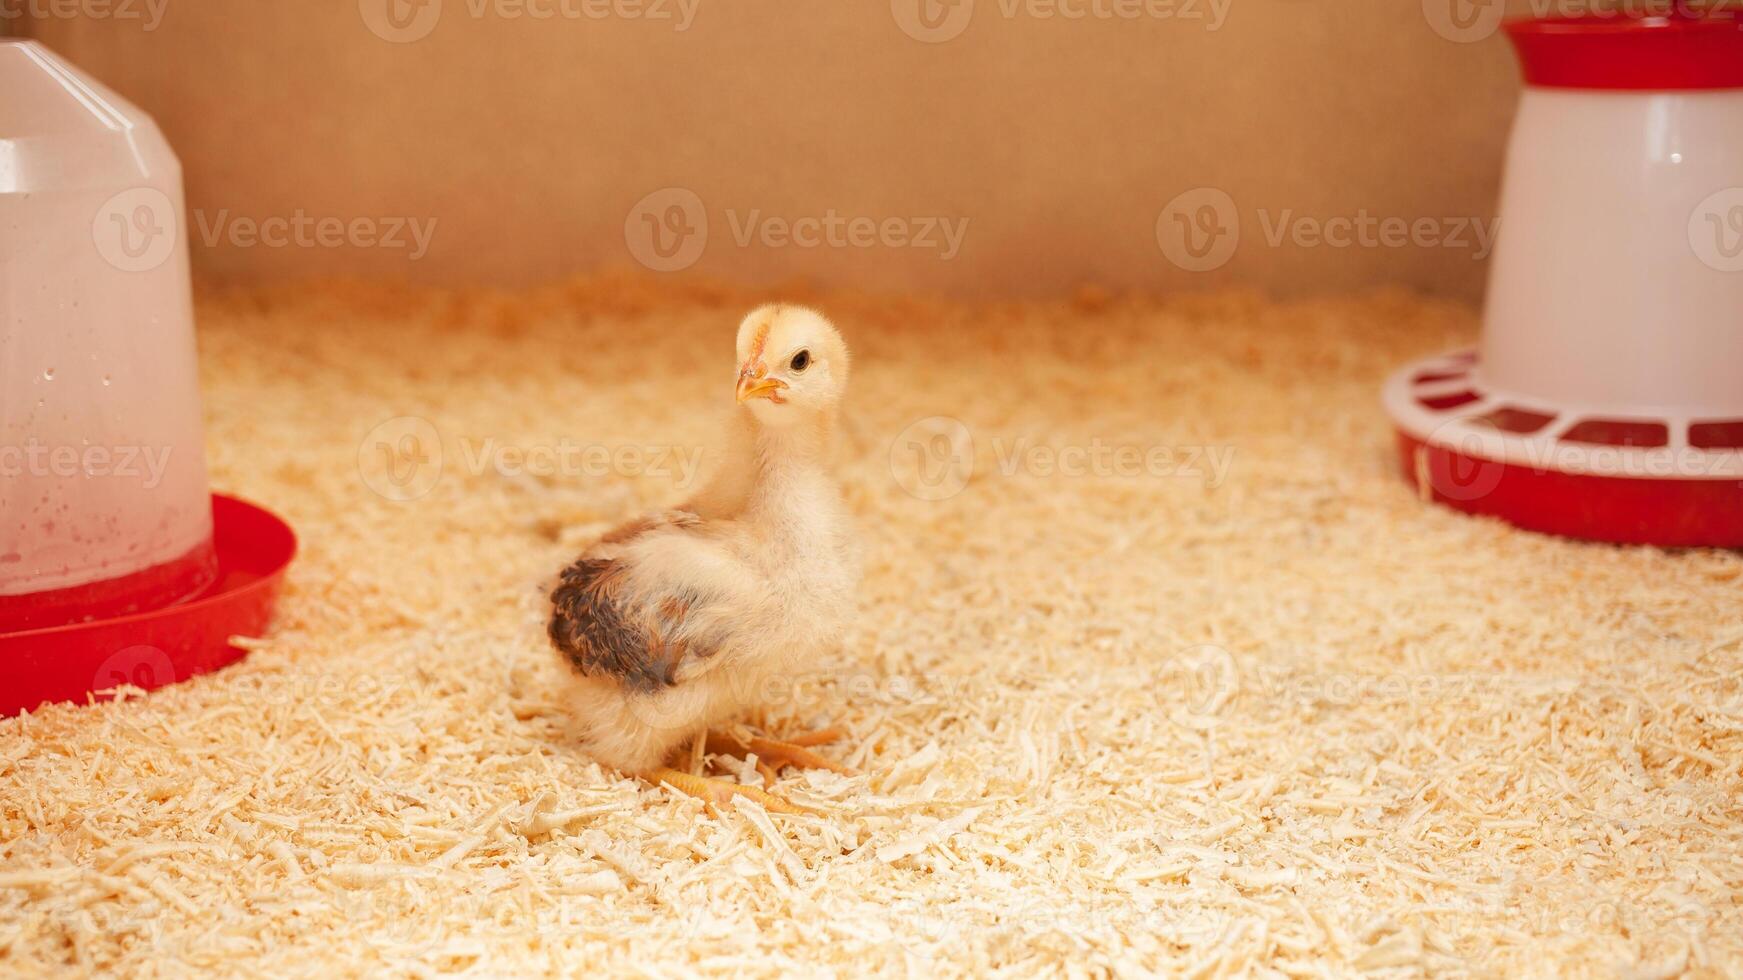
[
  {"x": 1663, "y": 481},
  {"x": 162, "y": 646}
]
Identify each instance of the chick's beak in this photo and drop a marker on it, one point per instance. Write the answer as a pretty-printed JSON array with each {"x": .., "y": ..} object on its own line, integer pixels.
[{"x": 753, "y": 383}]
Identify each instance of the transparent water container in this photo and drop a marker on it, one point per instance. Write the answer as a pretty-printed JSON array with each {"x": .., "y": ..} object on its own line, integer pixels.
[{"x": 104, "y": 505}]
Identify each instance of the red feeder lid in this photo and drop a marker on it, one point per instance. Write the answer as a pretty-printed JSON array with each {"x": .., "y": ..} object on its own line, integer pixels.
[{"x": 1631, "y": 52}]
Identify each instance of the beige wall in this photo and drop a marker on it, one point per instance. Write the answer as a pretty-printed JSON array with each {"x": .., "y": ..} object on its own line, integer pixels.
[{"x": 528, "y": 142}]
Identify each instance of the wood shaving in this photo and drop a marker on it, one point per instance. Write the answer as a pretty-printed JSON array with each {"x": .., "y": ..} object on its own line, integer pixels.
[{"x": 1425, "y": 744}]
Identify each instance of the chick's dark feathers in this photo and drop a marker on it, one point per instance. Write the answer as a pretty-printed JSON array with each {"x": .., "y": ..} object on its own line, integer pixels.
[
  {"x": 589, "y": 628},
  {"x": 605, "y": 632}
]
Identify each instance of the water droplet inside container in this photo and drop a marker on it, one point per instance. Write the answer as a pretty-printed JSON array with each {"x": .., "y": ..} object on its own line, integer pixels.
[
  {"x": 48, "y": 374},
  {"x": 106, "y": 380}
]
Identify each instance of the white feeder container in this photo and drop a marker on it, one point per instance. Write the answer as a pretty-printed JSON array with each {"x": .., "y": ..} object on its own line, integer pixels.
[{"x": 1606, "y": 400}]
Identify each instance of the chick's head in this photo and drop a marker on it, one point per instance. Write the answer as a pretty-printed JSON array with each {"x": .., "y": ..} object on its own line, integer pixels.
[{"x": 792, "y": 364}]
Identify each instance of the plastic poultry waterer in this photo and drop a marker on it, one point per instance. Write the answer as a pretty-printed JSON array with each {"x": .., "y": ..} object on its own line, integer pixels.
[{"x": 117, "y": 564}]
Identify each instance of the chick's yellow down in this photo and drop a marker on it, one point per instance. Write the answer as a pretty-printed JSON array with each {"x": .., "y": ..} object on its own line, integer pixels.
[{"x": 680, "y": 620}]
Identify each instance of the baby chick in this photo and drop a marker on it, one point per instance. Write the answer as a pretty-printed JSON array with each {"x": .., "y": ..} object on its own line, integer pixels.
[{"x": 683, "y": 619}]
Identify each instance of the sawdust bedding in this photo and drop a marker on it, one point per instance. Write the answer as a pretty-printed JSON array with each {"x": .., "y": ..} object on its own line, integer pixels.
[{"x": 1288, "y": 723}]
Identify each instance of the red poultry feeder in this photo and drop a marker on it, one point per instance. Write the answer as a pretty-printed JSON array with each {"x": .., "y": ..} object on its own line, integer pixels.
[
  {"x": 117, "y": 565},
  {"x": 1606, "y": 400}
]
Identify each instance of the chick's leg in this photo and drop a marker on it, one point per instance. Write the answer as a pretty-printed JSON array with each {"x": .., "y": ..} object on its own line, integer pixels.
[{"x": 719, "y": 792}]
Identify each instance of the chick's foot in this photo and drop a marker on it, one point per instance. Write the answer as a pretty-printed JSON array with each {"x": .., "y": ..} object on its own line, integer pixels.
[
  {"x": 719, "y": 792},
  {"x": 772, "y": 754}
]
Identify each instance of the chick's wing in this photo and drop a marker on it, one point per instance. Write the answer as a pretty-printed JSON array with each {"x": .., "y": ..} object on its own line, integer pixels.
[{"x": 655, "y": 607}]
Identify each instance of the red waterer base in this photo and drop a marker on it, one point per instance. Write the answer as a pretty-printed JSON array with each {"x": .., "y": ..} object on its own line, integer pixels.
[{"x": 160, "y": 646}]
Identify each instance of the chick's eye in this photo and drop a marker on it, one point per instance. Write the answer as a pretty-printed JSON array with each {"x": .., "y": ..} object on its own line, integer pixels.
[{"x": 801, "y": 360}]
